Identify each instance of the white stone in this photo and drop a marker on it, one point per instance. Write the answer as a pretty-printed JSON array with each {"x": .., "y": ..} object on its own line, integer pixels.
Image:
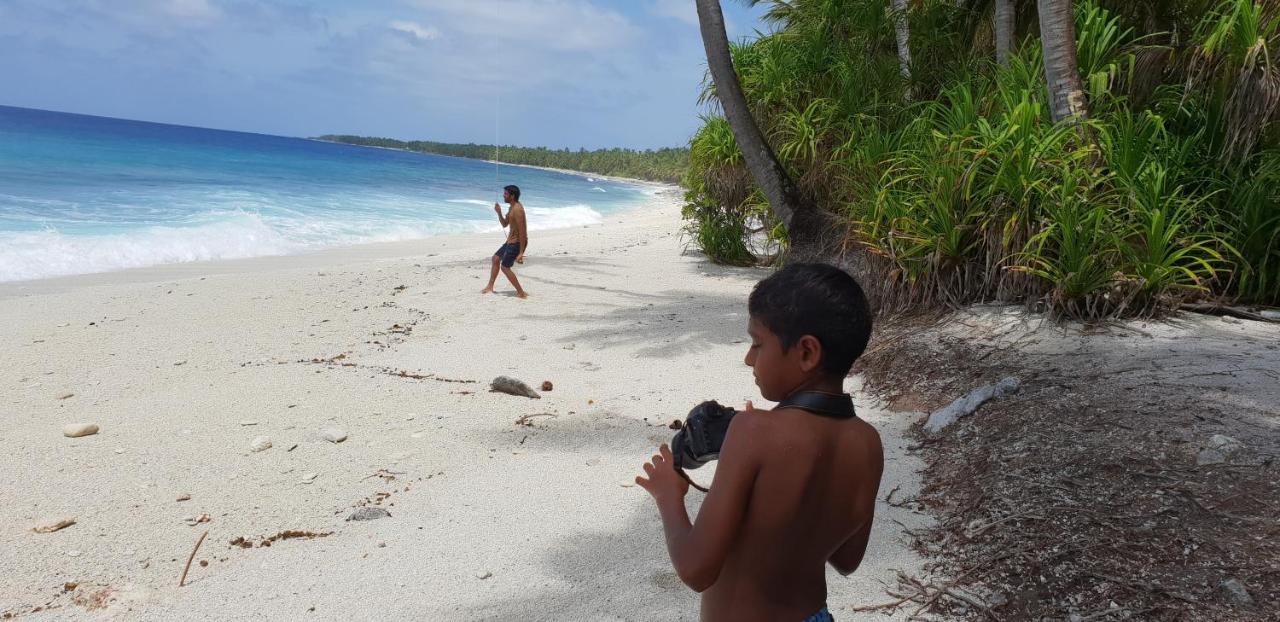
[
  {"x": 76, "y": 430},
  {"x": 334, "y": 435},
  {"x": 309, "y": 477},
  {"x": 260, "y": 443}
]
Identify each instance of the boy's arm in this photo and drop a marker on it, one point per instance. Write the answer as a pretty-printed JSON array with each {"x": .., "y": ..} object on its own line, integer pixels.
[
  {"x": 848, "y": 557},
  {"x": 698, "y": 550},
  {"x": 502, "y": 219}
]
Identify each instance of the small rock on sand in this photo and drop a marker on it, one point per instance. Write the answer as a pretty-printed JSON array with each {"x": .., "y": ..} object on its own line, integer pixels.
[
  {"x": 511, "y": 386},
  {"x": 547, "y": 386},
  {"x": 334, "y": 435},
  {"x": 56, "y": 526},
  {"x": 369, "y": 513},
  {"x": 76, "y": 430},
  {"x": 260, "y": 443},
  {"x": 309, "y": 477},
  {"x": 184, "y": 497}
]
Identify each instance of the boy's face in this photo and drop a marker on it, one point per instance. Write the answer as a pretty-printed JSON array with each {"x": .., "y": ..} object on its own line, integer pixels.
[
  {"x": 506, "y": 196},
  {"x": 779, "y": 373}
]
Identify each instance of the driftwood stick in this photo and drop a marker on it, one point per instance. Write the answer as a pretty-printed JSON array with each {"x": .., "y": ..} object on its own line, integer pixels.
[
  {"x": 183, "y": 580},
  {"x": 1212, "y": 309}
]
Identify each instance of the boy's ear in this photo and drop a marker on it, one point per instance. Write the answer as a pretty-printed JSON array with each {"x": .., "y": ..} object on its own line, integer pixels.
[{"x": 810, "y": 353}]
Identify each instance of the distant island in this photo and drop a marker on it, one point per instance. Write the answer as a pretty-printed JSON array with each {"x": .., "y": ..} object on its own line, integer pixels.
[{"x": 662, "y": 165}]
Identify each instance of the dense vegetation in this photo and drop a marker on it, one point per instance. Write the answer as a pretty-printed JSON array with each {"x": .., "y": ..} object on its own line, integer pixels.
[
  {"x": 956, "y": 186},
  {"x": 664, "y": 165}
]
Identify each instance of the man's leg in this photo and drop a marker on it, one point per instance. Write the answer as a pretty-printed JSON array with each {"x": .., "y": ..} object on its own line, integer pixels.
[
  {"x": 511, "y": 276},
  {"x": 493, "y": 276}
]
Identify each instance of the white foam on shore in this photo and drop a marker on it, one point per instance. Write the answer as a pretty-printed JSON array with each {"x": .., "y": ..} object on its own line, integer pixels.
[{"x": 233, "y": 235}]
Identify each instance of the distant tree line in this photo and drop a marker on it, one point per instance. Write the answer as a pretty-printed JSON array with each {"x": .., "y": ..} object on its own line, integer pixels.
[{"x": 663, "y": 165}]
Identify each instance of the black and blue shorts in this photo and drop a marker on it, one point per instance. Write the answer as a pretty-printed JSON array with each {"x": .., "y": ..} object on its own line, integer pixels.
[{"x": 507, "y": 253}]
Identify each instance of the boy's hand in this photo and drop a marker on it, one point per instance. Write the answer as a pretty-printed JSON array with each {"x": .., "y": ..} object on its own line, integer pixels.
[
  {"x": 520, "y": 258},
  {"x": 497, "y": 208},
  {"x": 663, "y": 482}
]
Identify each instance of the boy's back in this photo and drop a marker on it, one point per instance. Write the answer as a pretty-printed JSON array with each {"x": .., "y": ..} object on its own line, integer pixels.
[{"x": 811, "y": 501}]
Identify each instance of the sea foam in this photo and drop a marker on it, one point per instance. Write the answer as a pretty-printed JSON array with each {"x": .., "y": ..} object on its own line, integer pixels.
[{"x": 234, "y": 235}]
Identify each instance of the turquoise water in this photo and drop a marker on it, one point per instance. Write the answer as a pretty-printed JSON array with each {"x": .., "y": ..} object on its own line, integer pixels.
[{"x": 82, "y": 194}]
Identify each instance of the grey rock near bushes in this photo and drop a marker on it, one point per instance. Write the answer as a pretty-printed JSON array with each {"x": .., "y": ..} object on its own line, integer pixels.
[
  {"x": 966, "y": 405},
  {"x": 1220, "y": 449},
  {"x": 1236, "y": 592}
]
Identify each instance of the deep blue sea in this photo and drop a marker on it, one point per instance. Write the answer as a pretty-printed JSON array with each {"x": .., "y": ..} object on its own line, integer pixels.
[{"x": 82, "y": 194}]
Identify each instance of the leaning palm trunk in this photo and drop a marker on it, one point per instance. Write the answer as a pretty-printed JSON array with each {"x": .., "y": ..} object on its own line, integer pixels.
[
  {"x": 1004, "y": 17},
  {"x": 806, "y": 226},
  {"x": 1061, "y": 70},
  {"x": 902, "y": 29}
]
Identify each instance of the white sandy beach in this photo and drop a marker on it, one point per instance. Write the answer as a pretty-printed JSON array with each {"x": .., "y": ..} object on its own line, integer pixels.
[{"x": 183, "y": 366}]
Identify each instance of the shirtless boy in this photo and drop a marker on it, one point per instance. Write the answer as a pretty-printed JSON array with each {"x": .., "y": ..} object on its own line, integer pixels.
[
  {"x": 794, "y": 489},
  {"x": 512, "y": 252}
]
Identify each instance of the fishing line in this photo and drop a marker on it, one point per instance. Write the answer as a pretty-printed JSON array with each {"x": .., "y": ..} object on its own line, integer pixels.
[{"x": 497, "y": 114}]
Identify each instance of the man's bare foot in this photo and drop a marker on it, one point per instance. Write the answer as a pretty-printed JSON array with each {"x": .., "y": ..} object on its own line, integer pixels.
[
  {"x": 522, "y": 294},
  {"x": 487, "y": 290}
]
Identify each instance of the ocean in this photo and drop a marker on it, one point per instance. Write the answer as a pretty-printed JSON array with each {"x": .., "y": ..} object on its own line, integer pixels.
[{"x": 82, "y": 194}]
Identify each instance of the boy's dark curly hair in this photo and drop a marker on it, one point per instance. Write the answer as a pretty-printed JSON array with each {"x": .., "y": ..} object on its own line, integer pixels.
[{"x": 820, "y": 300}]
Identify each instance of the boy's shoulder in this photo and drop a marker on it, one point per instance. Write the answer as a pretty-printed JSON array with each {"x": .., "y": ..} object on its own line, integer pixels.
[{"x": 783, "y": 427}]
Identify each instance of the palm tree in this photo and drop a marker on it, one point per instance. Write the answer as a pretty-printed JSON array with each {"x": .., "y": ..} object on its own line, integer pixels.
[
  {"x": 1004, "y": 17},
  {"x": 806, "y": 226},
  {"x": 1061, "y": 70},
  {"x": 903, "y": 31}
]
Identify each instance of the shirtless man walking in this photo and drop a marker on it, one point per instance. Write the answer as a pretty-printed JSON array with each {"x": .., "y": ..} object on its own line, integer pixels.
[{"x": 512, "y": 251}]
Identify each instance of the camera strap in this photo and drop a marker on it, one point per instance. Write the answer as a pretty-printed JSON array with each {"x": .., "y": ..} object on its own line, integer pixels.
[{"x": 832, "y": 405}]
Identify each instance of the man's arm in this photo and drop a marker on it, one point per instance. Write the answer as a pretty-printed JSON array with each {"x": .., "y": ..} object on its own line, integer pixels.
[
  {"x": 848, "y": 557},
  {"x": 522, "y": 232},
  {"x": 502, "y": 219},
  {"x": 698, "y": 550}
]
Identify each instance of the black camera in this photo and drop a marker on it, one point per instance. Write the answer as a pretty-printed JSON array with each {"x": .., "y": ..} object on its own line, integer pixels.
[{"x": 700, "y": 439}]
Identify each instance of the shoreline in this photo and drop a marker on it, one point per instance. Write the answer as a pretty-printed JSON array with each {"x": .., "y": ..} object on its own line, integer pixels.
[
  {"x": 632, "y": 180},
  {"x": 367, "y": 250}
]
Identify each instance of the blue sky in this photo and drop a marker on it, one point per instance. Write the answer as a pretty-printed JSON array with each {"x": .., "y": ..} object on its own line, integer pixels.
[{"x": 559, "y": 73}]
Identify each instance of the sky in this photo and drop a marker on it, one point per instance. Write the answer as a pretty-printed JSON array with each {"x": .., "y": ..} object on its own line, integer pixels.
[{"x": 556, "y": 73}]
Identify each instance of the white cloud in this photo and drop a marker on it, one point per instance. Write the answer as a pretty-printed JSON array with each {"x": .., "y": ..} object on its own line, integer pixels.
[
  {"x": 683, "y": 10},
  {"x": 425, "y": 33},
  {"x": 572, "y": 25},
  {"x": 193, "y": 10}
]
